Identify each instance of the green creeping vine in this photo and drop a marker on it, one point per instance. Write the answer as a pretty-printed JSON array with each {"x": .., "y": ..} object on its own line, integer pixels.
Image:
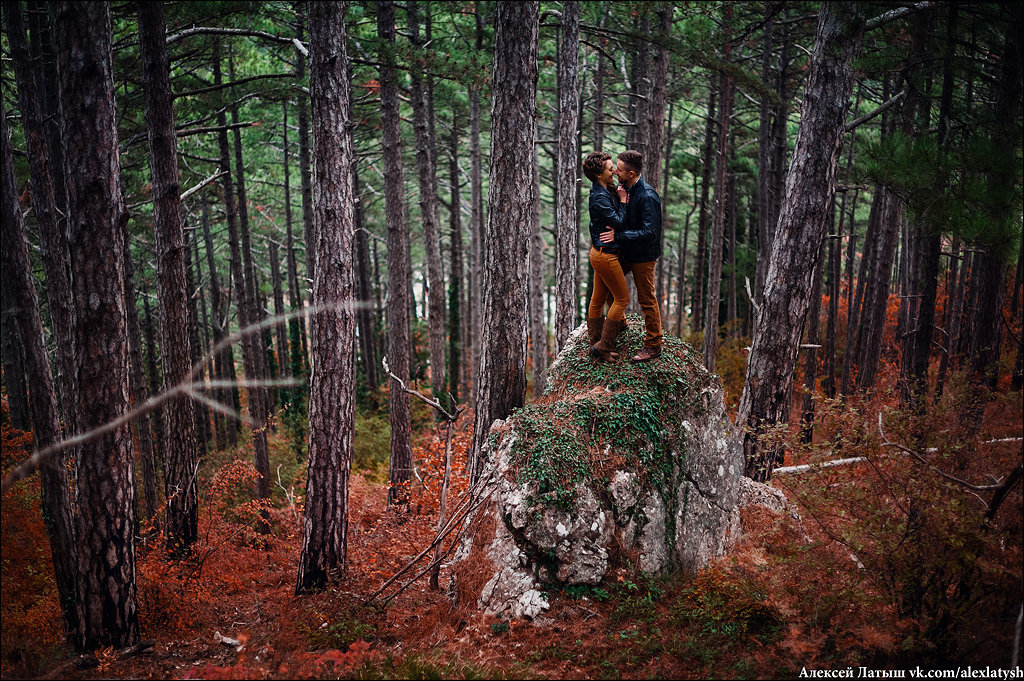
[{"x": 637, "y": 409}]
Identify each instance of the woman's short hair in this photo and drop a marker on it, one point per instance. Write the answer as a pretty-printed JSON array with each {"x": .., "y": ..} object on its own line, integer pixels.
[
  {"x": 593, "y": 164},
  {"x": 633, "y": 159}
]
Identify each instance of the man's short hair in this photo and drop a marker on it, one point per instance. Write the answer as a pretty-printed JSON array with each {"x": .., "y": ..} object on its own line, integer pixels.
[
  {"x": 632, "y": 158},
  {"x": 593, "y": 164}
]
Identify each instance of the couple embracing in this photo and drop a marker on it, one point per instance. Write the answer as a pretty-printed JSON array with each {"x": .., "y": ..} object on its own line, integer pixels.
[{"x": 625, "y": 233}]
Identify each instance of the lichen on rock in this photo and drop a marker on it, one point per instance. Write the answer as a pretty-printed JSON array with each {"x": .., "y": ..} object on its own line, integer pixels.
[{"x": 615, "y": 463}]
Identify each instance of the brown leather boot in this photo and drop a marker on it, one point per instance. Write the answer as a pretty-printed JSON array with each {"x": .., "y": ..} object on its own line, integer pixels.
[
  {"x": 605, "y": 348},
  {"x": 646, "y": 355},
  {"x": 594, "y": 326}
]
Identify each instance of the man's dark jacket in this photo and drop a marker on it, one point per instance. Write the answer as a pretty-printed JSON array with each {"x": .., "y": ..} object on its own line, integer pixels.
[
  {"x": 606, "y": 211},
  {"x": 640, "y": 241}
]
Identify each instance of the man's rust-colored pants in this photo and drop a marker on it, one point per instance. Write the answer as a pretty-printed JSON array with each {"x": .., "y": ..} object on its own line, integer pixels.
[{"x": 643, "y": 277}]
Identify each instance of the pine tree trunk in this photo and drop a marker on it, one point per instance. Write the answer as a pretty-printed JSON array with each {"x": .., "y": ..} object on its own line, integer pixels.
[
  {"x": 599, "y": 85},
  {"x": 765, "y": 141},
  {"x": 811, "y": 358},
  {"x": 702, "y": 217},
  {"x": 27, "y": 329},
  {"x": 476, "y": 227},
  {"x": 457, "y": 369},
  {"x": 195, "y": 344},
  {"x": 364, "y": 316},
  {"x": 400, "y": 470},
  {"x": 305, "y": 172},
  {"x": 683, "y": 246},
  {"x": 153, "y": 375},
  {"x": 854, "y": 311},
  {"x": 179, "y": 445},
  {"x": 224, "y": 360},
  {"x": 566, "y": 172},
  {"x": 730, "y": 315},
  {"x": 876, "y": 291},
  {"x": 36, "y": 75},
  {"x": 105, "y": 523},
  {"x": 425, "y": 163},
  {"x": 638, "y": 135},
  {"x": 333, "y": 380},
  {"x": 296, "y": 327},
  {"x": 801, "y": 227},
  {"x": 659, "y": 96},
  {"x": 250, "y": 347},
  {"x": 502, "y": 378},
  {"x": 201, "y": 347},
  {"x": 535, "y": 302},
  {"x": 280, "y": 329},
  {"x": 714, "y": 284},
  {"x": 14, "y": 365}
]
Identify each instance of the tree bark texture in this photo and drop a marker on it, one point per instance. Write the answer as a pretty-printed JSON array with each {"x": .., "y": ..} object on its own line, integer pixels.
[
  {"x": 137, "y": 383},
  {"x": 105, "y": 527},
  {"x": 181, "y": 456},
  {"x": 333, "y": 330},
  {"x": 400, "y": 469},
  {"x": 457, "y": 374},
  {"x": 802, "y": 221},
  {"x": 702, "y": 216},
  {"x": 364, "y": 315},
  {"x": 714, "y": 282},
  {"x": 535, "y": 306},
  {"x": 425, "y": 165},
  {"x": 55, "y": 494},
  {"x": 567, "y": 170},
  {"x": 659, "y": 96},
  {"x": 46, "y": 173},
  {"x": 502, "y": 379},
  {"x": 225, "y": 359},
  {"x": 251, "y": 352},
  {"x": 14, "y": 364}
]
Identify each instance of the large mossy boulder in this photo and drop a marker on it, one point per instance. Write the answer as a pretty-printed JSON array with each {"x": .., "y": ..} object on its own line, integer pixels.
[{"x": 624, "y": 464}]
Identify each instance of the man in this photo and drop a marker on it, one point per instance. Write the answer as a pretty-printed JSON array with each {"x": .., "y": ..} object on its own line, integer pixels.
[{"x": 640, "y": 246}]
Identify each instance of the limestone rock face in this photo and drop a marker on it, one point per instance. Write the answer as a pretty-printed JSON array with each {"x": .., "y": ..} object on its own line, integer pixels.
[{"x": 615, "y": 464}]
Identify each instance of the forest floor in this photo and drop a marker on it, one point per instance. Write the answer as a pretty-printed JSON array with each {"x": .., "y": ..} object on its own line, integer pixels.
[{"x": 831, "y": 585}]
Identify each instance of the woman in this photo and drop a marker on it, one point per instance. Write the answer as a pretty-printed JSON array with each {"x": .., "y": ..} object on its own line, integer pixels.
[{"x": 607, "y": 210}]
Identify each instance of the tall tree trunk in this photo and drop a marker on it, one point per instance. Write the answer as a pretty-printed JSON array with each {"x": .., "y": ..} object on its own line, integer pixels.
[
  {"x": 305, "y": 171},
  {"x": 195, "y": 346},
  {"x": 659, "y": 95},
  {"x": 811, "y": 358},
  {"x": 19, "y": 284},
  {"x": 954, "y": 304},
  {"x": 179, "y": 445},
  {"x": 535, "y": 295},
  {"x": 224, "y": 360},
  {"x": 36, "y": 75},
  {"x": 280, "y": 329},
  {"x": 202, "y": 346},
  {"x": 400, "y": 470},
  {"x": 333, "y": 380},
  {"x": 296, "y": 327},
  {"x": 683, "y": 246},
  {"x": 476, "y": 215},
  {"x": 457, "y": 373},
  {"x": 876, "y": 291},
  {"x": 801, "y": 227},
  {"x": 599, "y": 84},
  {"x": 105, "y": 522},
  {"x": 502, "y": 378},
  {"x": 702, "y": 217},
  {"x": 854, "y": 312},
  {"x": 766, "y": 227},
  {"x": 425, "y": 164},
  {"x": 153, "y": 373},
  {"x": 364, "y": 316},
  {"x": 730, "y": 315},
  {"x": 638, "y": 135},
  {"x": 988, "y": 322},
  {"x": 250, "y": 346},
  {"x": 566, "y": 171},
  {"x": 14, "y": 364},
  {"x": 714, "y": 284}
]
